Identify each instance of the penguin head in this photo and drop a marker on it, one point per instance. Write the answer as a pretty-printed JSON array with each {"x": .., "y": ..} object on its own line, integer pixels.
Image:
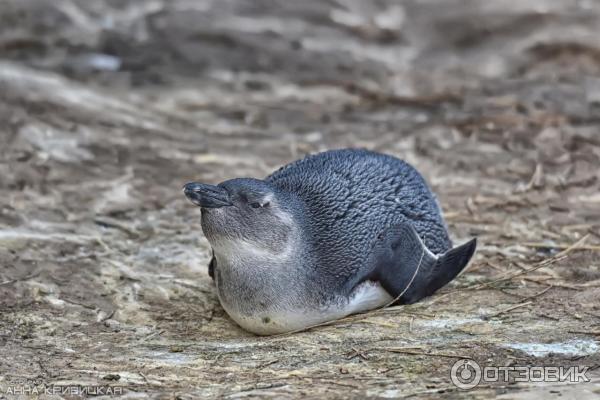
[{"x": 242, "y": 211}]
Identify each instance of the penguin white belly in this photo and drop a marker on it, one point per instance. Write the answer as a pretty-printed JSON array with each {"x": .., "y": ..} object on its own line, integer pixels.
[
  {"x": 367, "y": 296},
  {"x": 260, "y": 295}
]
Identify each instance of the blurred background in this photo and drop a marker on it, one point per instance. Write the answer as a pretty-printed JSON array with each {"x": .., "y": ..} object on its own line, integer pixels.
[{"x": 108, "y": 107}]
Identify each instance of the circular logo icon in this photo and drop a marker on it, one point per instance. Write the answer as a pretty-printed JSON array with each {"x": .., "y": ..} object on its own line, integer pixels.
[{"x": 465, "y": 374}]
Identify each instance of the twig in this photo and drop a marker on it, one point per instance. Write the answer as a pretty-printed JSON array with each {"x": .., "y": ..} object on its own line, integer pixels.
[
  {"x": 10, "y": 281},
  {"x": 151, "y": 336},
  {"x": 538, "y": 293},
  {"x": 444, "y": 389},
  {"x": 266, "y": 364},
  {"x": 510, "y": 276},
  {"x": 549, "y": 261},
  {"x": 557, "y": 284},
  {"x": 79, "y": 304},
  {"x": 538, "y": 279},
  {"x": 417, "y": 353},
  {"x": 594, "y": 283},
  {"x": 357, "y": 353},
  {"x": 143, "y": 376},
  {"x": 594, "y": 333},
  {"x": 540, "y": 245},
  {"x": 108, "y": 316},
  {"x": 548, "y": 316},
  {"x": 103, "y": 244},
  {"x": 509, "y": 309},
  {"x": 112, "y": 223},
  {"x": 378, "y": 323}
]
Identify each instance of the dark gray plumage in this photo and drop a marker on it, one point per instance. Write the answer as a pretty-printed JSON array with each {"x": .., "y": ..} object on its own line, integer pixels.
[{"x": 331, "y": 234}]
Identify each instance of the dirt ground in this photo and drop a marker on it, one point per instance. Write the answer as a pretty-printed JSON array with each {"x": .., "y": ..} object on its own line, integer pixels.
[{"x": 107, "y": 107}]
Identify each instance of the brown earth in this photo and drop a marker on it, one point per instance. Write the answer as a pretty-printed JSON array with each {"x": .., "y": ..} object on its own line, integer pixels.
[{"x": 108, "y": 107}]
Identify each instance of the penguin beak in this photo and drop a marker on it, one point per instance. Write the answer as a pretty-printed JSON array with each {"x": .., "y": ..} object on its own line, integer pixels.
[{"x": 206, "y": 196}]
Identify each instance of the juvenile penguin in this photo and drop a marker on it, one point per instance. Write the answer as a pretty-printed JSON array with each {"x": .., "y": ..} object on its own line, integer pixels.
[{"x": 333, "y": 234}]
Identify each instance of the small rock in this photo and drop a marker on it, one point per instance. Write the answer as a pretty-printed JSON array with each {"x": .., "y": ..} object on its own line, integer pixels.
[{"x": 112, "y": 377}]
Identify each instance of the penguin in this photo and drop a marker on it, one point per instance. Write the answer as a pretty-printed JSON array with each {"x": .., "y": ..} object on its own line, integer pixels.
[{"x": 333, "y": 234}]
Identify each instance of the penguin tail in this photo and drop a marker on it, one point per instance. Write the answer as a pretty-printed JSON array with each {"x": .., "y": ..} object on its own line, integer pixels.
[{"x": 408, "y": 271}]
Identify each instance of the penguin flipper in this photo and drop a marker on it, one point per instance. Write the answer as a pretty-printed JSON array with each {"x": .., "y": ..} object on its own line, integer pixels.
[
  {"x": 406, "y": 268},
  {"x": 211, "y": 267}
]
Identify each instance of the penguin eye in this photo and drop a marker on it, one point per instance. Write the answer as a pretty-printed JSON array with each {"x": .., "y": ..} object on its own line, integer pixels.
[{"x": 258, "y": 205}]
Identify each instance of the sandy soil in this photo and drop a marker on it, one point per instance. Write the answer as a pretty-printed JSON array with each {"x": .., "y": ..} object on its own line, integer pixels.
[{"x": 108, "y": 107}]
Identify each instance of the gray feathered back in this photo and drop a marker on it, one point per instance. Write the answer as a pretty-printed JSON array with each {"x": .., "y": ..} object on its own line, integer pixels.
[{"x": 351, "y": 196}]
